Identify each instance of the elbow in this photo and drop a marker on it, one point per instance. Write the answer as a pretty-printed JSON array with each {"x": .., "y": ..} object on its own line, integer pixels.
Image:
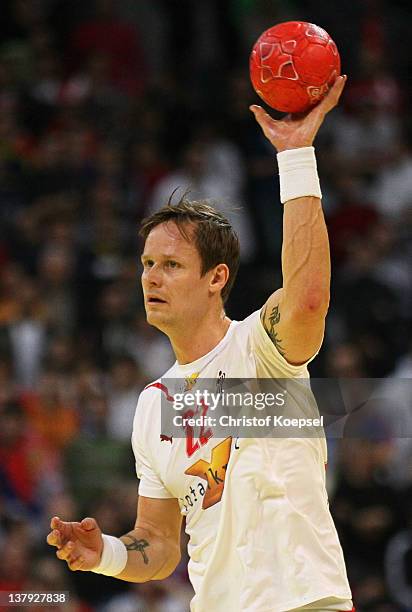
[
  {"x": 169, "y": 566},
  {"x": 313, "y": 305},
  {"x": 317, "y": 303}
]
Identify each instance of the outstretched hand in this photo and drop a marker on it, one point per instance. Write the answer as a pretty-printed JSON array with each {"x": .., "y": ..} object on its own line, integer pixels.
[
  {"x": 299, "y": 130},
  {"x": 79, "y": 544}
]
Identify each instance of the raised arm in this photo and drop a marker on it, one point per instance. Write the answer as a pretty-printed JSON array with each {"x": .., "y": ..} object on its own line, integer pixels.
[
  {"x": 294, "y": 316},
  {"x": 152, "y": 547}
]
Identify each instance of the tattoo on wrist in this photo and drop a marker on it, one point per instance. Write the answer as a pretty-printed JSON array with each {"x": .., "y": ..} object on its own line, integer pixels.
[
  {"x": 139, "y": 545},
  {"x": 273, "y": 319}
]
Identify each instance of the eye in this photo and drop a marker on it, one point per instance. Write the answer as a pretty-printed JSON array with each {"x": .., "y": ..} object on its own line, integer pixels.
[
  {"x": 170, "y": 263},
  {"x": 148, "y": 263}
]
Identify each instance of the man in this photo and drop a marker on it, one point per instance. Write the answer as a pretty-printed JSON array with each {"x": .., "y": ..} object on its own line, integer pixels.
[{"x": 261, "y": 535}]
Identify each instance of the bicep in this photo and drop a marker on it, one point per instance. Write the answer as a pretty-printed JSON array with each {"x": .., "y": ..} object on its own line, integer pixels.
[
  {"x": 296, "y": 335},
  {"x": 160, "y": 516}
]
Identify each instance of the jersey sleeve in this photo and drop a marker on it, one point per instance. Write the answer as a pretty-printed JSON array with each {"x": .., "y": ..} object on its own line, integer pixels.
[
  {"x": 150, "y": 483},
  {"x": 269, "y": 362}
]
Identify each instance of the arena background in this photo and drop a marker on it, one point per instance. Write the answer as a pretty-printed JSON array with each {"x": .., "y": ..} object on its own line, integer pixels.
[{"x": 105, "y": 107}]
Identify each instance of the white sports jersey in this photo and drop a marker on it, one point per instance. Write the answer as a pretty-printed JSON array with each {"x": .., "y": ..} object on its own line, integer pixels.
[{"x": 261, "y": 535}]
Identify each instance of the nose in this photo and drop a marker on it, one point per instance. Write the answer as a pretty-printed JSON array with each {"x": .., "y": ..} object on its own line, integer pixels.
[{"x": 152, "y": 276}]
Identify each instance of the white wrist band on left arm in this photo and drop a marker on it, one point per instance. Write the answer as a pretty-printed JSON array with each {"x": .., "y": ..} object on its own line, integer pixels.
[
  {"x": 114, "y": 557},
  {"x": 298, "y": 174}
]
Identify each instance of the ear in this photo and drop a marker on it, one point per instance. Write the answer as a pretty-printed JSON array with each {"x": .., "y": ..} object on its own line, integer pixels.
[{"x": 219, "y": 278}]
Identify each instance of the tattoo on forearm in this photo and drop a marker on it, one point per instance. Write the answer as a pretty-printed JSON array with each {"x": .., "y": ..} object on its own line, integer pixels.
[
  {"x": 139, "y": 545},
  {"x": 273, "y": 320}
]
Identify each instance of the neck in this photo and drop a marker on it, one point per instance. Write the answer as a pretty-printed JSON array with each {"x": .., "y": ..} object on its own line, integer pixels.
[{"x": 200, "y": 339}]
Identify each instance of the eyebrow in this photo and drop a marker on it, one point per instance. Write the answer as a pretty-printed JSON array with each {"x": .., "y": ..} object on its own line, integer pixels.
[{"x": 175, "y": 256}]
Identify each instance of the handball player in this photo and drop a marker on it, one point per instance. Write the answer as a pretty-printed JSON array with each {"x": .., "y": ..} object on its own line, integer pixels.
[{"x": 261, "y": 535}]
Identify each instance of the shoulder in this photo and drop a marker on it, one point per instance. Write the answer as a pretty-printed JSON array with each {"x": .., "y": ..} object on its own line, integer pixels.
[
  {"x": 154, "y": 393},
  {"x": 269, "y": 361},
  {"x": 157, "y": 387},
  {"x": 240, "y": 341},
  {"x": 147, "y": 413},
  {"x": 249, "y": 326},
  {"x": 237, "y": 343},
  {"x": 253, "y": 329},
  {"x": 244, "y": 328}
]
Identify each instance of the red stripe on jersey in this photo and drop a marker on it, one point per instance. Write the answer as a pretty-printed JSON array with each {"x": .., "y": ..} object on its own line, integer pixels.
[{"x": 162, "y": 388}]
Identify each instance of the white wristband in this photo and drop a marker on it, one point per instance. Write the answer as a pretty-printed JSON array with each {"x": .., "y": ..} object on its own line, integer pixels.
[
  {"x": 114, "y": 557},
  {"x": 298, "y": 174}
]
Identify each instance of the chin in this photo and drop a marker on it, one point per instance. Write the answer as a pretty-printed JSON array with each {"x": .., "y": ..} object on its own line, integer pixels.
[{"x": 156, "y": 319}]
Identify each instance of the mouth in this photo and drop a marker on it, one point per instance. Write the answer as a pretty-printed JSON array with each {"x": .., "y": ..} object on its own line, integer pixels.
[{"x": 155, "y": 300}]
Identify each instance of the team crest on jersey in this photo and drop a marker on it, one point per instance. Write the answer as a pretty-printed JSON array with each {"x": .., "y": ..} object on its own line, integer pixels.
[{"x": 190, "y": 381}]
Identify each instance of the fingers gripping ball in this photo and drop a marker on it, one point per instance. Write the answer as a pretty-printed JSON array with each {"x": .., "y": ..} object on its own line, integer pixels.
[{"x": 293, "y": 65}]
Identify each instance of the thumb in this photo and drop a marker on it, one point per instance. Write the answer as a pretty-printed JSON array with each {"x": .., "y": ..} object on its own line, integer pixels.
[
  {"x": 88, "y": 524},
  {"x": 265, "y": 121},
  {"x": 260, "y": 114}
]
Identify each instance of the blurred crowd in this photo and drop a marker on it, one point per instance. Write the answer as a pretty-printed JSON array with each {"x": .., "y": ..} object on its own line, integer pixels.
[{"x": 105, "y": 108}]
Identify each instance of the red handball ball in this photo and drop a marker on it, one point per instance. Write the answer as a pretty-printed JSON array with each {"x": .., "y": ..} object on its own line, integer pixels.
[{"x": 293, "y": 65}]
